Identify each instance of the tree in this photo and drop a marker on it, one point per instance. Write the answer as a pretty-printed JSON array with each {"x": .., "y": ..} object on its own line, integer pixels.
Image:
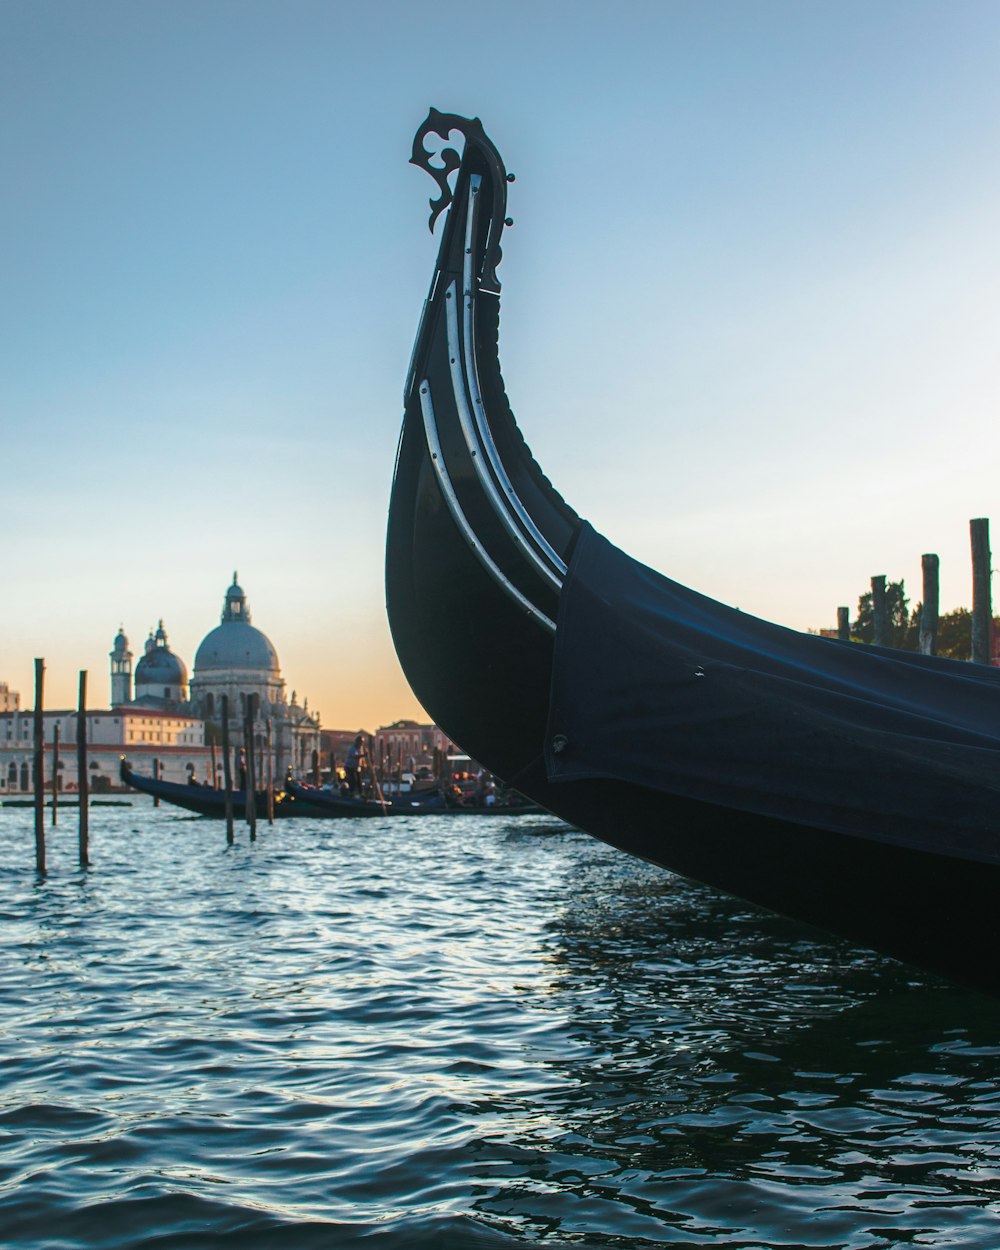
[
  {"x": 954, "y": 635},
  {"x": 902, "y": 633}
]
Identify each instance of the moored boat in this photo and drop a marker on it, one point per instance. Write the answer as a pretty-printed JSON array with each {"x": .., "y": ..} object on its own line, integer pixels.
[
  {"x": 321, "y": 801},
  {"x": 851, "y": 787},
  {"x": 204, "y": 800}
]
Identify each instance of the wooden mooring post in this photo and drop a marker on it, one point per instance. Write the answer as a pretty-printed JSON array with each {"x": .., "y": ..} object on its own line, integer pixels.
[
  {"x": 55, "y": 774},
  {"x": 250, "y": 793},
  {"x": 982, "y": 599},
  {"x": 227, "y": 772},
  {"x": 880, "y": 611},
  {"x": 156, "y": 777},
  {"x": 39, "y": 778},
  {"x": 843, "y": 626},
  {"x": 930, "y": 604},
  {"x": 82, "y": 775},
  {"x": 269, "y": 765}
]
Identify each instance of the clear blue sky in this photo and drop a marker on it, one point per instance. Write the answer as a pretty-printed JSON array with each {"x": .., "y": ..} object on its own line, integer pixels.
[{"x": 750, "y": 318}]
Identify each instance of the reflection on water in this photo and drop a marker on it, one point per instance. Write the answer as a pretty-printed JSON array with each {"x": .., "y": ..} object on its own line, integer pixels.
[{"x": 462, "y": 1032}]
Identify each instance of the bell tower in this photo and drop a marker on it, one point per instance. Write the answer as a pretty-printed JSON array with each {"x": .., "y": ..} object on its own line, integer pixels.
[{"x": 121, "y": 671}]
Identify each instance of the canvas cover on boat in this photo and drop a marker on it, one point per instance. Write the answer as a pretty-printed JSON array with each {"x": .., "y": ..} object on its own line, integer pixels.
[{"x": 657, "y": 685}]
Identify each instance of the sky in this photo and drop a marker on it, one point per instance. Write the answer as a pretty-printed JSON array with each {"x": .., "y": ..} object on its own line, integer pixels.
[{"x": 749, "y": 320}]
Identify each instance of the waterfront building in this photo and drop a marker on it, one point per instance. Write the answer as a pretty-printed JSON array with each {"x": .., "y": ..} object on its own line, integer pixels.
[
  {"x": 157, "y": 714},
  {"x": 409, "y": 739},
  {"x": 175, "y": 740}
]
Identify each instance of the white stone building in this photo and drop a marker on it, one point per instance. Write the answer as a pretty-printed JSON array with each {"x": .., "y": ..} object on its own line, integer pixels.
[
  {"x": 156, "y": 714},
  {"x": 144, "y": 734}
]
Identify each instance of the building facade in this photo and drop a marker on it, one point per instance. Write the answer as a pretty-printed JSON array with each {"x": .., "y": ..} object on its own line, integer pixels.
[
  {"x": 176, "y": 741},
  {"x": 157, "y": 714},
  {"x": 410, "y": 740}
]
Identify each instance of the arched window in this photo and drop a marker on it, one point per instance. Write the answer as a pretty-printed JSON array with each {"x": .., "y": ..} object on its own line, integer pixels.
[
  {"x": 210, "y": 705},
  {"x": 24, "y": 776},
  {"x": 12, "y": 776}
]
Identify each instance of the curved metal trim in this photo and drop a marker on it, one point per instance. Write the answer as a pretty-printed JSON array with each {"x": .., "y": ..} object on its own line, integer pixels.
[
  {"x": 473, "y": 443},
  {"x": 510, "y": 496},
  {"x": 460, "y": 519}
]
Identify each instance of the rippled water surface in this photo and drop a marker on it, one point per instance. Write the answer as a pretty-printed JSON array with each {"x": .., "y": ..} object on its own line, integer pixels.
[{"x": 461, "y": 1032}]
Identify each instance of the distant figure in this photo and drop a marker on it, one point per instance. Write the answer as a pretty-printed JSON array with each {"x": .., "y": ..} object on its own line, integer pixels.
[
  {"x": 354, "y": 764},
  {"x": 490, "y": 794}
]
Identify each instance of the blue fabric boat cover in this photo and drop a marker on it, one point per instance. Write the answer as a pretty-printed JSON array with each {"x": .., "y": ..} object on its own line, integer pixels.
[{"x": 657, "y": 685}]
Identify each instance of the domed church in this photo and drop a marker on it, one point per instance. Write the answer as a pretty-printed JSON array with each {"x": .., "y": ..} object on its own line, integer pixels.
[
  {"x": 161, "y": 678},
  {"x": 235, "y": 659}
]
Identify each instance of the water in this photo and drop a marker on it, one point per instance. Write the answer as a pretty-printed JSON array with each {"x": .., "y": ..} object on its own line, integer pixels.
[{"x": 459, "y": 1032}]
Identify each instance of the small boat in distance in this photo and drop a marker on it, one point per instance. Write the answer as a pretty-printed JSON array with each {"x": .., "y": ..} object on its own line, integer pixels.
[
  {"x": 852, "y": 787},
  {"x": 204, "y": 800},
  {"x": 322, "y": 801},
  {"x": 298, "y": 799}
]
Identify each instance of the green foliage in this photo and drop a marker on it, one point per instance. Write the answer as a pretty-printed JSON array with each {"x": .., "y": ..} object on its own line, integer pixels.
[
  {"x": 954, "y": 635},
  {"x": 902, "y": 633},
  {"x": 954, "y": 630}
]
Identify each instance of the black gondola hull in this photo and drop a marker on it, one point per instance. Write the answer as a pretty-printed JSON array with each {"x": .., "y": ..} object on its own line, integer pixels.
[
  {"x": 485, "y": 668},
  {"x": 204, "y": 800}
]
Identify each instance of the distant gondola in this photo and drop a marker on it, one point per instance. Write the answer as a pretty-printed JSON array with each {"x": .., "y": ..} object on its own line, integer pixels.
[
  {"x": 205, "y": 800},
  {"x": 323, "y": 802},
  {"x": 852, "y": 787}
]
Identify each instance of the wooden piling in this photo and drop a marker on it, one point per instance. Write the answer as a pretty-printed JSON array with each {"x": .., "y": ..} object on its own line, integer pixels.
[
  {"x": 156, "y": 777},
  {"x": 55, "y": 774},
  {"x": 215, "y": 768},
  {"x": 227, "y": 772},
  {"x": 39, "y": 779},
  {"x": 844, "y": 624},
  {"x": 83, "y": 776},
  {"x": 982, "y": 604},
  {"x": 250, "y": 793},
  {"x": 269, "y": 766},
  {"x": 930, "y": 605},
  {"x": 880, "y": 611},
  {"x": 315, "y": 769}
]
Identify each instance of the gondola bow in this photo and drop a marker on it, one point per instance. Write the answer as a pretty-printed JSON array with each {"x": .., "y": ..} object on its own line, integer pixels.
[{"x": 852, "y": 787}]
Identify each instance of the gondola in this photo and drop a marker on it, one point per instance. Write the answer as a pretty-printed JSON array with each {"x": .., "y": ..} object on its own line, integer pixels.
[
  {"x": 852, "y": 787},
  {"x": 319, "y": 801},
  {"x": 204, "y": 800}
]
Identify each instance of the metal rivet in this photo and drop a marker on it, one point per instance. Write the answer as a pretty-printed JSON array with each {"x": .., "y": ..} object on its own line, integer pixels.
[
  {"x": 559, "y": 743},
  {"x": 508, "y": 221}
]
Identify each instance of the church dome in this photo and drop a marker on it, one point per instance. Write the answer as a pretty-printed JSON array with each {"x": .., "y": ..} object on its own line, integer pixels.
[
  {"x": 235, "y": 643},
  {"x": 159, "y": 666}
]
